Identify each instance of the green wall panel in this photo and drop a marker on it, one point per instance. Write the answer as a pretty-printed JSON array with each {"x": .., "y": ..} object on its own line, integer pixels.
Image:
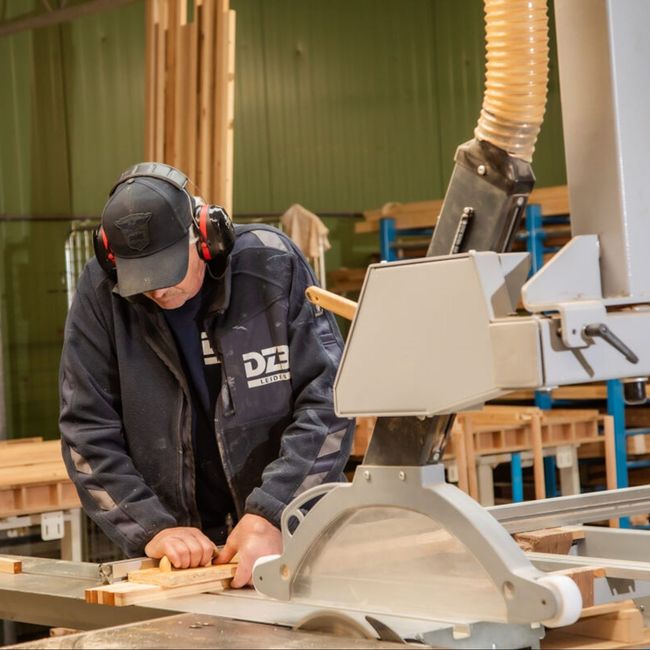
[
  {"x": 71, "y": 120},
  {"x": 347, "y": 104},
  {"x": 104, "y": 80}
]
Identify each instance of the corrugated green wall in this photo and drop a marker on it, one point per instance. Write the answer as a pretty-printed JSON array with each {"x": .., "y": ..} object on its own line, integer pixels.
[
  {"x": 348, "y": 104},
  {"x": 71, "y": 118},
  {"x": 341, "y": 105}
]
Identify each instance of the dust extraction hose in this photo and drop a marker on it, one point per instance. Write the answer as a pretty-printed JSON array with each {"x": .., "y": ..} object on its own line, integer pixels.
[{"x": 516, "y": 75}]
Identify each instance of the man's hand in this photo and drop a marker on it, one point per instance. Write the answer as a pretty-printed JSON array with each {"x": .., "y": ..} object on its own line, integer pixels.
[
  {"x": 185, "y": 547},
  {"x": 252, "y": 538}
]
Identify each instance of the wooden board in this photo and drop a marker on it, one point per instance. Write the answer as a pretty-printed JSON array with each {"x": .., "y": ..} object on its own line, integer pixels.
[
  {"x": 9, "y": 565},
  {"x": 183, "y": 577},
  {"x": 122, "y": 594},
  {"x": 31, "y": 453},
  {"x": 624, "y": 625},
  {"x": 549, "y": 540},
  {"x": 29, "y": 499},
  {"x": 422, "y": 214}
]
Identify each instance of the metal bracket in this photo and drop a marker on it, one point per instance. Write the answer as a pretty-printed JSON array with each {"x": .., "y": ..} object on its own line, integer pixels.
[
  {"x": 52, "y": 525},
  {"x": 575, "y": 316}
]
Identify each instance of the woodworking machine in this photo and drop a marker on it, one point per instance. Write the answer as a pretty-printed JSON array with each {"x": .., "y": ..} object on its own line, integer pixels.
[{"x": 398, "y": 554}]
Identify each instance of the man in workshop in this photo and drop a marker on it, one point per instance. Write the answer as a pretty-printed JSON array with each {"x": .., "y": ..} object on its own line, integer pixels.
[{"x": 196, "y": 379}]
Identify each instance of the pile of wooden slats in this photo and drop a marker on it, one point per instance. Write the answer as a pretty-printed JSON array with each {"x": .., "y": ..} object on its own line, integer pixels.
[
  {"x": 500, "y": 431},
  {"x": 158, "y": 583},
  {"x": 424, "y": 214},
  {"x": 190, "y": 94},
  {"x": 33, "y": 478}
]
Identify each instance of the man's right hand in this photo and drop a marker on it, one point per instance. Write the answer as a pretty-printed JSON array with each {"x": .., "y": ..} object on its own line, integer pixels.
[{"x": 185, "y": 547}]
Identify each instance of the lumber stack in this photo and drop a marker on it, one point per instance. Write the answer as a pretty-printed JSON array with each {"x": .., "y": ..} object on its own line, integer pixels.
[
  {"x": 190, "y": 94},
  {"x": 162, "y": 582},
  {"x": 500, "y": 431},
  {"x": 33, "y": 478},
  {"x": 424, "y": 214}
]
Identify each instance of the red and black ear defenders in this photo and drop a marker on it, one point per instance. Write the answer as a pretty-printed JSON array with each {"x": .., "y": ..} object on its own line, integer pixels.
[{"x": 213, "y": 226}]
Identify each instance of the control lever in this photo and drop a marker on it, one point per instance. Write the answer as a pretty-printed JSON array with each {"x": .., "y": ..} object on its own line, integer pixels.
[{"x": 601, "y": 330}]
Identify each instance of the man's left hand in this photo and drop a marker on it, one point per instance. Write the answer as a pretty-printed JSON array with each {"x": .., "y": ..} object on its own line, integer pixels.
[{"x": 252, "y": 538}]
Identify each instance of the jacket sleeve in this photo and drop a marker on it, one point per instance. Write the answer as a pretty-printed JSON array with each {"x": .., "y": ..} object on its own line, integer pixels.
[
  {"x": 112, "y": 491},
  {"x": 316, "y": 444}
]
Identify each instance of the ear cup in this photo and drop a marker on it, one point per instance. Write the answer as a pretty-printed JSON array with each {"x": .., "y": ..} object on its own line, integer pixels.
[
  {"x": 103, "y": 251},
  {"x": 216, "y": 235}
]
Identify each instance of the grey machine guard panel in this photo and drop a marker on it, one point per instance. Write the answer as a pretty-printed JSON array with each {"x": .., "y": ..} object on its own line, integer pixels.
[{"x": 420, "y": 343}]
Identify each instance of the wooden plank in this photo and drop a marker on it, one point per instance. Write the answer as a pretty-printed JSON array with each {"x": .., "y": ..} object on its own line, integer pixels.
[
  {"x": 31, "y": 453},
  {"x": 19, "y": 441},
  {"x": 610, "y": 460},
  {"x": 171, "y": 90},
  {"x": 10, "y": 565},
  {"x": 625, "y": 626},
  {"x": 220, "y": 100},
  {"x": 472, "y": 477},
  {"x": 538, "y": 458},
  {"x": 606, "y": 608},
  {"x": 206, "y": 100},
  {"x": 339, "y": 305},
  {"x": 182, "y": 75},
  {"x": 228, "y": 153},
  {"x": 150, "y": 79},
  {"x": 182, "y": 577},
  {"x": 122, "y": 594},
  {"x": 192, "y": 98},
  {"x": 160, "y": 31},
  {"x": 39, "y": 474},
  {"x": 460, "y": 452},
  {"x": 553, "y": 200},
  {"x": 549, "y": 540}
]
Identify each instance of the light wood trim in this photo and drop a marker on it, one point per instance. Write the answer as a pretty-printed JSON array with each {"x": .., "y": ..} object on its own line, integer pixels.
[
  {"x": 339, "y": 305},
  {"x": 9, "y": 565}
]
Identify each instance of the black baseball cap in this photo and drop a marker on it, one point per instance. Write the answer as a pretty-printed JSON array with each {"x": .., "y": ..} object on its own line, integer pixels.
[{"x": 147, "y": 221}]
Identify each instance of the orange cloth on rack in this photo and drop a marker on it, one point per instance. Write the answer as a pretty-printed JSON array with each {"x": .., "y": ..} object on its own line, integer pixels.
[{"x": 306, "y": 229}]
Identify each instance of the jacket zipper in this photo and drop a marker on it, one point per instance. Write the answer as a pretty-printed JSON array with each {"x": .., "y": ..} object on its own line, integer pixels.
[
  {"x": 217, "y": 427},
  {"x": 193, "y": 515}
]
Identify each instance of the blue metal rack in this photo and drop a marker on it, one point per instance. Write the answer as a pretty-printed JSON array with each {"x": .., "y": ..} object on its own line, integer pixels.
[
  {"x": 535, "y": 243},
  {"x": 388, "y": 233}
]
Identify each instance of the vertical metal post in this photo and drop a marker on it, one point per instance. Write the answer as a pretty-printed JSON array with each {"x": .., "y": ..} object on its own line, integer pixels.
[
  {"x": 517, "y": 477},
  {"x": 536, "y": 235},
  {"x": 550, "y": 480},
  {"x": 616, "y": 408},
  {"x": 387, "y": 236}
]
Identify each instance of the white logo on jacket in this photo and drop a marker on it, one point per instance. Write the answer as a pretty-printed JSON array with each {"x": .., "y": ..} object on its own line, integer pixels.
[{"x": 267, "y": 366}]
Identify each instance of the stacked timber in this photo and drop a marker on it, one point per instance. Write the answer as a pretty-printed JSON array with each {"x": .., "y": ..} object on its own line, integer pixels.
[
  {"x": 497, "y": 432},
  {"x": 190, "y": 95},
  {"x": 33, "y": 478}
]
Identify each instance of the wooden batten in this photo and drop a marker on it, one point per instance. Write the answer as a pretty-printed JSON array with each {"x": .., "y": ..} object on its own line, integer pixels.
[
  {"x": 191, "y": 111},
  {"x": 171, "y": 52},
  {"x": 181, "y": 129},
  {"x": 206, "y": 99},
  {"x": 160, "y": 30},
  {"x": 151, "y": 20},
  {"x": 10, "y": 565}
]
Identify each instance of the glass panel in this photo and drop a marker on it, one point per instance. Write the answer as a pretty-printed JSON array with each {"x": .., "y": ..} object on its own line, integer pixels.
[{"x": 397, "y": 561}]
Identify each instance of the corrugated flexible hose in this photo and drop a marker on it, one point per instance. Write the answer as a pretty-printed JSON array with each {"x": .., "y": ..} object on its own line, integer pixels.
[{"x": 516, "y": 75}]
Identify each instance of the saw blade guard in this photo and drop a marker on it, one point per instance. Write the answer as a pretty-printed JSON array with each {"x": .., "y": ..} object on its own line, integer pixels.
[{"x": 402, "y": 541}]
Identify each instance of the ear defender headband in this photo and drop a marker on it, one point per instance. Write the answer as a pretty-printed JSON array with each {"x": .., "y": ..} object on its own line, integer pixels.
[{"x": 212, "y": 224}]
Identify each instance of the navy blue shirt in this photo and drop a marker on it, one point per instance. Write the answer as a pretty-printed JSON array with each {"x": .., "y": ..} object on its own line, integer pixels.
[{"x": 203, "y": 372}]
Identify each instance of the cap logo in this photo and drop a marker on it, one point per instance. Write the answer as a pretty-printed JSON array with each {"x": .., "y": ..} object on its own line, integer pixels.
[{"x": 135, "y": 228}]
